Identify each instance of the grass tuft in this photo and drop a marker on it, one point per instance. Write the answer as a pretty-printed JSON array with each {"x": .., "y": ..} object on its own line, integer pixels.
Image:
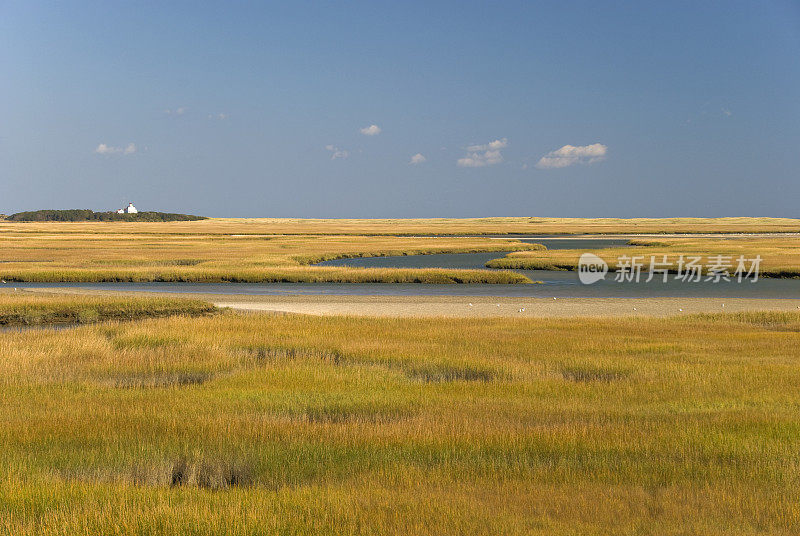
[
  {"x": 24, "y": 309},
  {"x": 450, "y": 373},
  {"x": 580, "y": 374},
  {"x": 160, "y": 380}
]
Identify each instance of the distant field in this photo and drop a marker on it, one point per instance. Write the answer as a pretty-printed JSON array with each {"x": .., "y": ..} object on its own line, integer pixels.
[
  {"x": 116, "y": 252},
  {"x": 254, "y": 424},
  {"x": 280, "y": 250},
  {"x": 442, "y": 226},
  {"x": 780, "y": 256}
]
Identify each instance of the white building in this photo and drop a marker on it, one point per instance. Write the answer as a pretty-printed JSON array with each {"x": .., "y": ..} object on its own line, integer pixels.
[{"x": 130, "y": 209}]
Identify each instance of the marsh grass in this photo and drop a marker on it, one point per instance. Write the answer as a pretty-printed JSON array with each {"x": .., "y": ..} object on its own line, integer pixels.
[
  {"x": 450, "y": 373},
  {"x": 139, "y": 255},
  {"x": 592, "y": 373},
  {"x": 249, "y": 424},
  {"x": 266, "y": 228},
  {"x": 262, "y": 353},
  {"x": 25, "y": 309},
  {"x": 210, "y": 473},
  {"x": 780, "y": 256},
  {"x": 156, "y": 380},
  {"x": 282, "y": 250}
]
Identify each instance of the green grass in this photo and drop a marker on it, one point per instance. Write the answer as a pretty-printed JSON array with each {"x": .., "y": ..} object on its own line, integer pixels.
[{"x": 258, "y": 424}]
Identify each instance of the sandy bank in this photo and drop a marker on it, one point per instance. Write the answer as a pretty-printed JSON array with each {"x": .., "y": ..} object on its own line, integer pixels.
[
  {"x": 465, "y": 306},
  {"x": 494, "y": 307}
]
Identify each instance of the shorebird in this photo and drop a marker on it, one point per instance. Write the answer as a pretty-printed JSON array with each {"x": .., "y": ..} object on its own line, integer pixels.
[{"x": 470, "y": 305}]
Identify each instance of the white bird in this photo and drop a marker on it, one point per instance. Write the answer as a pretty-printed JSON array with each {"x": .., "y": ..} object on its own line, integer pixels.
[
  {"x": 723, "y": 305},
  {"x": 4, "y": 281},
  {"x": 498, "y": 305},
  {"x": 470, "y": 305},
  {"x": 680, "y": 309},
  {"x": 634, "y": 308},
  {"x": 554, "y": 298}
]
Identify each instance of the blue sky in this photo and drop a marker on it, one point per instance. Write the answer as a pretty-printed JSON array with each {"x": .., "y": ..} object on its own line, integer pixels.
[{"x": 623, "y": 109}]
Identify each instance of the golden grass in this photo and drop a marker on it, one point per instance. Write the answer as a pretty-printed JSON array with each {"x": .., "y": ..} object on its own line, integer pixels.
[
  {"x": 22, "y": 308},
  {"x": 281, "y": 250},
  {"x": 256, "y": 424},
  {"x": 780, "y": 256},
  {"x": 56, "y": 254},
  {"x": 429, "y": 226}
]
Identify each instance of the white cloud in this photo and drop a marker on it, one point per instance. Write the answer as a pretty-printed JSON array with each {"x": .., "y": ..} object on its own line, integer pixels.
[
  {"x": 483, "y": 155},
  {"x": 105, "y": 149},
  {"x": 492, "y": 145},
  {"x": 109, "y": 149},
  {"x": 372, "y": 130},
  {"x": 572, "y": 154},
  {"x": 418, "y": 159},
  {"x": 727, "y": 112},
  {"x": 221, "y": 117},
  {"x": 337, "y": 153},
  {"x": 176, "y": 111}
]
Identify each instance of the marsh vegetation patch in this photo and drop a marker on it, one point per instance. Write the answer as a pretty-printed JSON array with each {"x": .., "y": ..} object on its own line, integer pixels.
[
  {"x": 588, "y": 373},
  {"x": 146, "y": 341},
  {"x": 352, "y": 413},
  {"x": 267, "y": 353},
  {"x": 199, "y": 471},
  {"x": 450, "y": 373},
  {"x": 146, "y": 380}
]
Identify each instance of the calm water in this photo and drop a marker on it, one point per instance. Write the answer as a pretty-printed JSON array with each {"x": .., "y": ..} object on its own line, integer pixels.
[{"x": 555, "y": 284}]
